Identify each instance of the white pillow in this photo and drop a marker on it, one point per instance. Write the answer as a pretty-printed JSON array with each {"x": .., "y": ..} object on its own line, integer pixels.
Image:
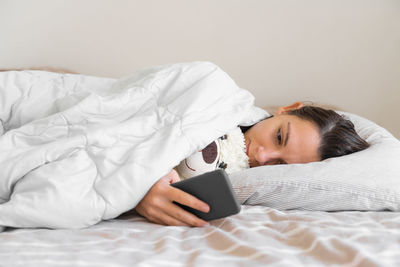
[{"x": 366, "y": 180}]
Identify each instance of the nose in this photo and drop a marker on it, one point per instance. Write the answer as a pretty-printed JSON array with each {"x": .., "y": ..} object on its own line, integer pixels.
[{"x": 266, "y": 156}]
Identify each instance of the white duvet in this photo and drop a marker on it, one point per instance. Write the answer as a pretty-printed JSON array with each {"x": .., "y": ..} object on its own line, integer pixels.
[{"x": 75, "y": 150}]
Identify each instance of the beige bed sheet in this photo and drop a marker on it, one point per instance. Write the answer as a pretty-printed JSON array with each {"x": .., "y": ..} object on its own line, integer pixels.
[{"x": 256, "y": 237}]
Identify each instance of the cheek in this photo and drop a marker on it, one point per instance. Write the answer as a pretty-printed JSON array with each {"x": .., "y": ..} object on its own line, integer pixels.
[
  {"x": 263, "y": 136},
  {"x": 262, "y": 133}
]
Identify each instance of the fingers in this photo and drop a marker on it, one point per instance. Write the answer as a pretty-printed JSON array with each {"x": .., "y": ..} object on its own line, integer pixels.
[
  {"x": 169, "y": 220},
  {"x": 174, "y": 176},
  {"x": 163, "y": 211},
  {"x": 184, "y": 216},
  {"x": 177, "y": 195},
  {"x": 157, "y": 205},
  {"x": 163, "y": 218},
  {"x": 171, "y": 177},
  {"x": 189, "y": 200}
]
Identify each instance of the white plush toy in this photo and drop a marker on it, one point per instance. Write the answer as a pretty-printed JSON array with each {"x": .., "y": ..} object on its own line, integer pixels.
[{"x": 227, "y": 152}]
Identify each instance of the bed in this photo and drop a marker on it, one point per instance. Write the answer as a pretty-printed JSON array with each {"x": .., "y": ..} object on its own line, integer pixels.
[
  {"x": 302, "y": 215},
  {"x": 258, "y": 236}
]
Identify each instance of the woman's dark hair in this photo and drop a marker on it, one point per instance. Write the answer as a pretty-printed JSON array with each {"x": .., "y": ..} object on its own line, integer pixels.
[{"x": 338, "y": 136}]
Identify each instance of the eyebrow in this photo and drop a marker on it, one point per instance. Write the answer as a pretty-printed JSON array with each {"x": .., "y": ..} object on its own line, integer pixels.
[{"x": 287, "y": 134}]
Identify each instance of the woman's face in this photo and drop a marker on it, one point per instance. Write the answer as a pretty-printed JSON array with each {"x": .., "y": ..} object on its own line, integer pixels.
[{"x": 282, "y": 139}]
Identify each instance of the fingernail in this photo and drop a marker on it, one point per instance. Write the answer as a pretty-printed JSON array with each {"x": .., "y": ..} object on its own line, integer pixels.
[{"x": 205, "y": 208}]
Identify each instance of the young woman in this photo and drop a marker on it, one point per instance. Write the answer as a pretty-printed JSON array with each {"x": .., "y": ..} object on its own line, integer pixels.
[{"x": 295, "y": 134}]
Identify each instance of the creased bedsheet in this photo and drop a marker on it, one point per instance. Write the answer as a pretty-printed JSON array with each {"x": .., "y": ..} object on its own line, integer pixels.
[
  {"x": 78, "y": 153},
  {"x": 257, "y": 236}
]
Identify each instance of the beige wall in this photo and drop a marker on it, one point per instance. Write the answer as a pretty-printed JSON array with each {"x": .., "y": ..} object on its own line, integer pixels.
[{"x": 340, "y": 52}]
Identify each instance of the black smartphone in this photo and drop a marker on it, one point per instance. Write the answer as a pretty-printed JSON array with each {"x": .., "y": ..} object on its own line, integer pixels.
[{"x": 215, "y": 189}]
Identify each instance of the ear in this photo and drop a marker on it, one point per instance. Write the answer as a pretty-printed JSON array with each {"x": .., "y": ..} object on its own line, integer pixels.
[{"x": 282, "y": 110}]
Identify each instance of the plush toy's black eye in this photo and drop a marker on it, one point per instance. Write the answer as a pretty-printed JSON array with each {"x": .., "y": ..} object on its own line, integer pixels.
[
  {"x": 210, "y": 153},
  {"x": 222, "y": 165},
  {"x": 224, "y": 137}
]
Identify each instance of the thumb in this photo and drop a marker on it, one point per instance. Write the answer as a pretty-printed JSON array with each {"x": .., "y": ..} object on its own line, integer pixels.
[{"x": 174, "y": 176}]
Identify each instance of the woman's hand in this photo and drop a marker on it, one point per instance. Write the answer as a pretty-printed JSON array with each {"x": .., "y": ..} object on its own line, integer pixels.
[{"x": 157, "y": 205}]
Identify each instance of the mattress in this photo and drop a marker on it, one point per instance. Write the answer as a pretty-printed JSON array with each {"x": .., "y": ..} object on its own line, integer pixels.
[{"x": 257, "y": 236}]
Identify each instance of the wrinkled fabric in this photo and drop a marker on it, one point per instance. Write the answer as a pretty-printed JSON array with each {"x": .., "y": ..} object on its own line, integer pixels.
[
  {"x": 257, "y": 236},
  {"x": 90, "y": 154}
]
